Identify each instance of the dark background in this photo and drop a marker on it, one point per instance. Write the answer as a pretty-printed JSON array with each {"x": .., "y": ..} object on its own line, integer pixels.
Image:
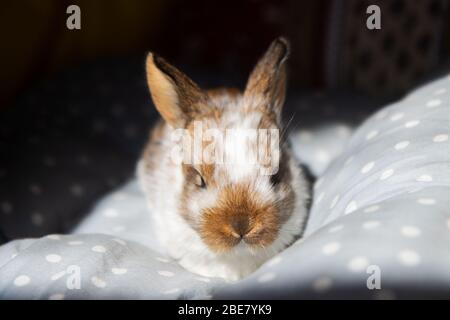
[{"x": 331, "y": 47}]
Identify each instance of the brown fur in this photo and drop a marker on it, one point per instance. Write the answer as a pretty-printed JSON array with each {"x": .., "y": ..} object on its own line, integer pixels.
[
  {"x": 268, "y": 78},
  {"x": 177, "y": 98},
  {"x": 239, "y": 213},
  {"x": 230, "y": 92}
]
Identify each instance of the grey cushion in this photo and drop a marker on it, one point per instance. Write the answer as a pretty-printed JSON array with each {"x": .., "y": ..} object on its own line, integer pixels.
[{"x": 381, "y": 207}]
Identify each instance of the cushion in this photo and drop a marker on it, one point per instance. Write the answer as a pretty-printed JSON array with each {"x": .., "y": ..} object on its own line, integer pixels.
[{"x": 378, "y": 228}]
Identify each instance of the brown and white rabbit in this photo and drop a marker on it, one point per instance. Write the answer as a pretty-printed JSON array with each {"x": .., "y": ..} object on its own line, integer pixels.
[{"x": 222, "y": 220}]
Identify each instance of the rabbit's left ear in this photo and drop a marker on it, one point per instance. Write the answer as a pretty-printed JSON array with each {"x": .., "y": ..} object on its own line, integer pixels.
[
  {"x": 268, "y": 78},
  {"x": 176, "y": 97}
]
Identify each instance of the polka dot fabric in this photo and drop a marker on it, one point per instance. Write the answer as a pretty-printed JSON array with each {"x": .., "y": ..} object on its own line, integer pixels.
[
  {"x": 382, "y": 205},
  {"x": 69, "y": 140},
  {"x": 409, "y": 155},
  {"x": 119, "y": 270}
]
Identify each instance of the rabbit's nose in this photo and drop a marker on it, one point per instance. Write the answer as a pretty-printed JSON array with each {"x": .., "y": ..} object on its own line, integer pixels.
[{"x": 240, "y": 227}]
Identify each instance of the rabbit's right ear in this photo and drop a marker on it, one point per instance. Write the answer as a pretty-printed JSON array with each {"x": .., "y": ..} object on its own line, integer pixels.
[
  {"x": 268, "y": 78},
  {"x": 176, "y": 97}
]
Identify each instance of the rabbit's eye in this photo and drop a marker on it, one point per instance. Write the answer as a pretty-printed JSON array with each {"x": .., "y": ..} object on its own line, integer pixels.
[
  {"x": 275, "y": 178},
  {"x": 199, "y": 181},
  {"x": 278, "y": 177}
]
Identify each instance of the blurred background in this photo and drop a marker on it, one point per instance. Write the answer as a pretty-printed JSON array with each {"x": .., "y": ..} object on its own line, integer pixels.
[
  {"x": 331, "y": 45},
  {"x": 75, "y": 110}
]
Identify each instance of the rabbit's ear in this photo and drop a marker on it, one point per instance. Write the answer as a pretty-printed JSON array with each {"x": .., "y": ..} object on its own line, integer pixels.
[
  {"x": 268, "y": 78},
  {"x": 176, "y": 97}
]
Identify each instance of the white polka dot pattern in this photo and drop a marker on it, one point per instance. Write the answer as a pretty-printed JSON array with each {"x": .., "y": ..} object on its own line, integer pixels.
[{"x": 381, "y": 204}]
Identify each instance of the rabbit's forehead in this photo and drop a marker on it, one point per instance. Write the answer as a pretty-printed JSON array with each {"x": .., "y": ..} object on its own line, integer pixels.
[
  {"x": 225, "y": 111},
  {"x": 232, "y": 146},
  {"x": 232, "y": 135}
]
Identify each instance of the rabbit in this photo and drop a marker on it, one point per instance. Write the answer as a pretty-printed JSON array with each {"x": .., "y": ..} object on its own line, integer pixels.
[{"x": 221, "y": 220}]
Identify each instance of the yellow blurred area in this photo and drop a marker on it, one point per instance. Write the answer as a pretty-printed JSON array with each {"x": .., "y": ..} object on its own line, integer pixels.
[{"x": 36, "y": 41}]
